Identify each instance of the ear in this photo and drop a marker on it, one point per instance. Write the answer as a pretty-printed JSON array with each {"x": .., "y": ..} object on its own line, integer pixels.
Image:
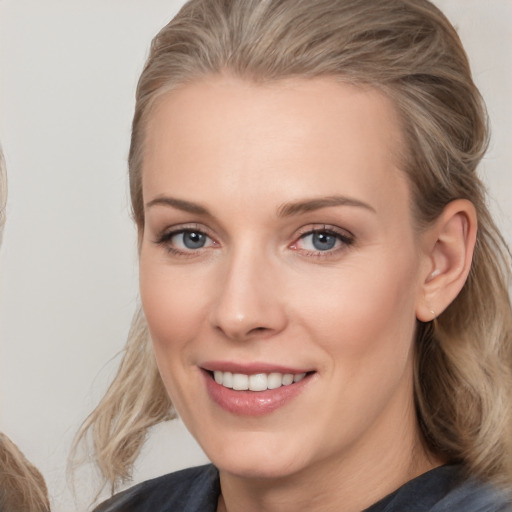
[{"x": 447, "y": 247}]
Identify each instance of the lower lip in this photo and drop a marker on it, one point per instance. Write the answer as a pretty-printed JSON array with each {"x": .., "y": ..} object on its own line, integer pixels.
[{"x": 253, "y": 403}]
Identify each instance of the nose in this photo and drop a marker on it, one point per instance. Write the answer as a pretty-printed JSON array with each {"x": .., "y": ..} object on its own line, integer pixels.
[{"x": 249, "y": 302}]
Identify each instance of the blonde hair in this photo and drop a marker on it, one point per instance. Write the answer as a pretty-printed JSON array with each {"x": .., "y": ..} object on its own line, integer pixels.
[
  {"x": 408, "y": 50},
  {"x": 22, "y": 488}
]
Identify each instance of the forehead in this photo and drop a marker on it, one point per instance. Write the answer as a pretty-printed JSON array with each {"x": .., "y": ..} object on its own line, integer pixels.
[{"x": 306, "y": 135}]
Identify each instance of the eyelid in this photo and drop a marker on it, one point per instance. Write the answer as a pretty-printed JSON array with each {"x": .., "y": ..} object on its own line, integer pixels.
[
  {"x": 327, "y": 228},
  {"x": 346, "y": 238},
  {"x": 164, "y": 237}
]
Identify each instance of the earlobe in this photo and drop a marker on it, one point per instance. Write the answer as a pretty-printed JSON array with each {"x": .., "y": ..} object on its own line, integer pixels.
[{"x": 448, "y": 246}]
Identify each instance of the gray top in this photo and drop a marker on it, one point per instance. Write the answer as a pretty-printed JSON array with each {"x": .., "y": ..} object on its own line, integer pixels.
[{"x": 197, "y": 490}]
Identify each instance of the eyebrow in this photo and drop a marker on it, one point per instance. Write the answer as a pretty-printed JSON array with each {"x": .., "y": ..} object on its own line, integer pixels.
[
  {"x": 285, "y": 210},
  {"x": 309, "y": 205},
  {"x": 180, "y": 204}
]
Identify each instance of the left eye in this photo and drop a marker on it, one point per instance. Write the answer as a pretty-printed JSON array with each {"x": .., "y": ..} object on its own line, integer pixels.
[
  {"x": 320, "y": 241},
  {"x": 190, "y": 240}
]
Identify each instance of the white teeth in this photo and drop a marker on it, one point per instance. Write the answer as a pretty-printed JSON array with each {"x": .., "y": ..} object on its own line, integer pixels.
[
  {"x": 274, "y": 381},
  {"x": 224, "y": 378},
  {"x": 287, "y": 379},
  {"x": 240, "y": 381},
  {"x": 256, "y": 382},
  {"x": 227, "y": 380}
]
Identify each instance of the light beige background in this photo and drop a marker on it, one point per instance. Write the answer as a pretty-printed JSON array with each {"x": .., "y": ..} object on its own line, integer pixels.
[{"x": 68, "y": 276}]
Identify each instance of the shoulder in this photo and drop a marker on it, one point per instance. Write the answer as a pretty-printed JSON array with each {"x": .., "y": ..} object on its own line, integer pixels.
[
  {"x": 474, "y": 496},
  {"x": 192, "y": 489},
  {"x": 445, "y": 489}
]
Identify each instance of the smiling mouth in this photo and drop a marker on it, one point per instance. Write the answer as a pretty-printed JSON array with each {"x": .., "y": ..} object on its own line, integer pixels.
[
  {"x": 257, "y": 381},
  {"x": 254, "y": 389}
]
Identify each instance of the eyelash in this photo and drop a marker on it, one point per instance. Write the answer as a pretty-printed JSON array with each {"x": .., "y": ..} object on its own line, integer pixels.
[
  {"x": 165, "y": 238},
  {"x": 346, "y": 240}
]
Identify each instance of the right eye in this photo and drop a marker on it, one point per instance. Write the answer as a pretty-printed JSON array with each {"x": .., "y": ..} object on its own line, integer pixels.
[
  {"x": 185, "y": 241},
  {"x": 189, "y": 240}
]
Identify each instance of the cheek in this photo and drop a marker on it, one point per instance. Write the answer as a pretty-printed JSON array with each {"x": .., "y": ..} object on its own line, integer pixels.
[
  {"x": 364, "y": 322},
  {"x": 366, "y": 313},
  {"x": 171, "y": 303}
]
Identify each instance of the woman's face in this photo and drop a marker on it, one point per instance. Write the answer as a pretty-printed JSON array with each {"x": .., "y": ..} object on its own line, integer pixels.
[{"x": 279, "y": 241}]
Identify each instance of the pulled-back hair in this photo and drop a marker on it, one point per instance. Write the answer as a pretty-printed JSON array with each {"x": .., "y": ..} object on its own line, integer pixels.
[{"x": 408, "y": 50}]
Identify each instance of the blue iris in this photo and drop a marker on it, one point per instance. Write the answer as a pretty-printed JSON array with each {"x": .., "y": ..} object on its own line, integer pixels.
[
  {"x": 323, "y": 241},
  {"x": 193, "y": 239}
]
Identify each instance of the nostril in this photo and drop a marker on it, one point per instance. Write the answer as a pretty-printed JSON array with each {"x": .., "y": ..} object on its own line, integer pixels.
[{"x": 255, "y": 331}]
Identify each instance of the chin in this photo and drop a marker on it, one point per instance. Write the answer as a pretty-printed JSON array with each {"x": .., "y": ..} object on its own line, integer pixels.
[
  {"x": 261, "y": 459},
  {"x": 257, "y": 469}
]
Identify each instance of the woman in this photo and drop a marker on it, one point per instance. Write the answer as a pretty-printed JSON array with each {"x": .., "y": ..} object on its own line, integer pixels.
[
  {"x": 324, "y": 292},
  {"x": 22, "y": 488}
]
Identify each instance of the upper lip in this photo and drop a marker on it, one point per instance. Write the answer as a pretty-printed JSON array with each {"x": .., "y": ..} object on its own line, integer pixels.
[{"x": 251, "y": 368}]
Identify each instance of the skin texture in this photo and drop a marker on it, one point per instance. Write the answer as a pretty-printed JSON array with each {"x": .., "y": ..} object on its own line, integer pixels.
[{"x": 259, "y": 290}]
